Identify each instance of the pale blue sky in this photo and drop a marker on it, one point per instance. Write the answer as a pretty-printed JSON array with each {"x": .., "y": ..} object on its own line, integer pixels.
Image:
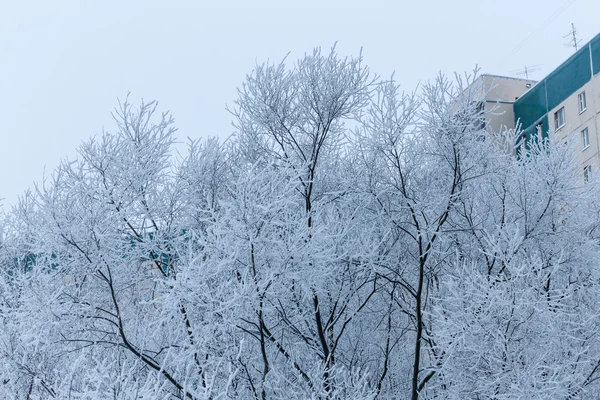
[{"x": 64, "y": 63}]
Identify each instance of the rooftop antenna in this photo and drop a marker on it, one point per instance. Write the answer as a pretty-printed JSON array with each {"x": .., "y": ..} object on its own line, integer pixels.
[
  {"x": 525, "y": 71},
  {"x": 572, "y": 35}
]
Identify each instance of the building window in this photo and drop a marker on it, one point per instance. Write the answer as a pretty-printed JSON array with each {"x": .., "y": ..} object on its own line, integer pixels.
[
  {"x": 538, "y": 129},
  {"x": 582, "y": 102},
  {"x": 559, "y": 119},
  {"x": 585, "y": 138},
  {"x": 587, "y": 173}
]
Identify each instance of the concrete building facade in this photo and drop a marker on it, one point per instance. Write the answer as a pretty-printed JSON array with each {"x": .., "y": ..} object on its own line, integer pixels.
[{"x": 497, "y": 95}]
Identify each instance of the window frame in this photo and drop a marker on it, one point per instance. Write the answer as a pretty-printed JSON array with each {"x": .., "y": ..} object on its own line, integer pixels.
[
  {"x": 585, "y": 138},
  {"x": 559, "y": 112},
  {"x": 582, "y": 104},
  {"x": 587, "y": 173},
  {"x": 539, "y": 129}
]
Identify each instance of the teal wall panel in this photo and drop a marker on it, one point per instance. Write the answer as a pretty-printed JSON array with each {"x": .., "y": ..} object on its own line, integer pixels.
[
  {"x": 528, "y": 136},
  {"x": 545, "y": 126},
  {"x": 595, "y": 43},
  {"x": 531, "y": 131},
  {"x": 561, "y": 83},
  {"x": 531, "y": 106},
  {"x": 569, "y": 77}
]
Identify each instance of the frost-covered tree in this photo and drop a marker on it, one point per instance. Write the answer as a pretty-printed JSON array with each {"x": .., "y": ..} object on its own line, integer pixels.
[
  {"x": 350, "y": 241},
  {"x": 311, "y": 276},
  {"x": 515, "y": 315},
  {"x": 105, "y": 294}
]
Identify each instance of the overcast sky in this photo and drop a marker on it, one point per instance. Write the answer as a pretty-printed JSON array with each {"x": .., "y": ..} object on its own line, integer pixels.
[{"x": 63, "y": 64}]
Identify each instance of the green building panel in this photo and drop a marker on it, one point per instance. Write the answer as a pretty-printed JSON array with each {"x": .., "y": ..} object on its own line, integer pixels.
[
  {"x": 595, "y": 45},
  {"x": 568, "y": 78},
  {"x": 530, "y": 133},
  {"x": 531, "y": 106}
]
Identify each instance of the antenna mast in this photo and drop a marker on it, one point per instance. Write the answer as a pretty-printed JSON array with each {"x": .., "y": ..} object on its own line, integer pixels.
[
  {"x": 573, "y": 41},
  {"x": 527, "y": 70}
]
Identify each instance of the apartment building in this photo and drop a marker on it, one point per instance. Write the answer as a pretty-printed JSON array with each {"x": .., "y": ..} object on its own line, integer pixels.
[
  {"x": 497, "y": 95},
  {"x": 566, "y": 103}
]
